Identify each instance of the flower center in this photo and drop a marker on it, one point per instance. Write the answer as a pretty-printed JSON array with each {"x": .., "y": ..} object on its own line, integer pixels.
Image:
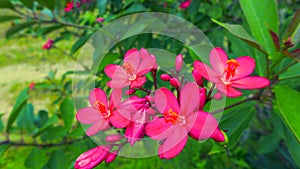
[
  {"x": 129, "y": 70},
  {"x": 170, "y": 116},
  {"x": 232, "y": 64},
  {"x": 102, "y": 109}
]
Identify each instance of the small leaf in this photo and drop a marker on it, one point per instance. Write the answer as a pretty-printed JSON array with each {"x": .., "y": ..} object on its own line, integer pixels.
[
  {"x": 79, "y": 43},
  {"x": 47, "y": 3},
  {"x": 5, "y": 18},
  {"x": 6, "y": 4},
  {"x": 3, "y": 148},
  {"x": 275, "y": 40},
  {"x": 26, "y": 118},
  {"x": 288, "y": 103},
  {"x": 101, "y": 5},
  {"x": 28, "y": 3},
  {"x": 36, "y": 159},
  {"x": 293, "y": 25},
  {"x": 13, "y": 30},
  {"x": 41, "y": 118},
  {"x": 48, "y": 124},
  {"x": 57, "y": 160},
  {"x": 54, "y": 133},
  {"x": 67, "y": 112},
  {"x": 20, "y": 102}
]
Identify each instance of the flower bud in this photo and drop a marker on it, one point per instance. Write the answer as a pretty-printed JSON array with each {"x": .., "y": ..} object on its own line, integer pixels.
[
  {"x": 175, "y": 83},
  {"x": 202, "y": 95},
  {"x": 130, "y": 91},
  {"x": 31, "y": 85},
  {"x": 113, "y": 138},
  {"x": 165, "y": 77},
  {"x": 197, "y": 77},
  {"x": 226, "y": 140},
  {"x": 218, "y": 96},
  {"x": 178, "y": 63},
  {"x": 111, "y": 157},
  {"x": 92, "y": 157}
]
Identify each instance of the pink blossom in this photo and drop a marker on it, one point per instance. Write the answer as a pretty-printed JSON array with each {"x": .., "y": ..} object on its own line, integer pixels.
[
  {"x": 181, "y": 120},
  {"x": 111, "y": 157},
  {"x": 92, "y": 157},
  {"x": 102, "y": 112},
  {"x": 136, "y": 64},
  {"x": 227, "y": 74},
  {"x": 178, "y": 63},
  {"x": 197, "y": 77},
  {"x": 175, "y": 83},
  {"x": 31, "y": 85},
  {"x": 100, "y": 19},
  {"x": 69, "y": 6},
  {"x": 48, "y": 44},
  {"x": 185, "y": 4}
]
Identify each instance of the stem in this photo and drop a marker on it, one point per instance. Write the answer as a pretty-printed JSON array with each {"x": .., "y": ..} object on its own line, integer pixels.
[
  {"x": 256, "y": 97},
  {"x": 289, "y": 78},
  {"x": 13, "y": 143},
  {"x": 154, "y": 78},
  {"x": 284, "y": 69},
  {"x": 210, "y": 91}
]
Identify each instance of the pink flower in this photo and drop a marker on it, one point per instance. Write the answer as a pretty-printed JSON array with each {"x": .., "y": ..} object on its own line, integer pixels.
[
  {"x": 100, "y": 20},
  {"x": 227, "y": 74},
  {"x": 31, "y": 85},
  {"x": 185, "y": 4},
  {"x": 102, "y": 112},
  {"x": 92, "y": 157},
  {"x": 48, "y": 44},
  {"x": 181, "y": 120},
  {"x": 69, "y": 6},
  {"x": 140, "y": 115},
  {"x": 136, "y": 64}
]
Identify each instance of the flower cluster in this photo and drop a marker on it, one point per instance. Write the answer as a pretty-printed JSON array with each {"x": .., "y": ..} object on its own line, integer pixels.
[
  {"x": 70, "y": 5},
  {"x": 160, "y": 114},
  {"x": 48, "y": 45}
]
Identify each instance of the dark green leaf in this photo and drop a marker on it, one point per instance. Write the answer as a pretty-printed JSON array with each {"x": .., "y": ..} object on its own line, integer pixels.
[
  {"x": 36, "y": 159},
  {"x": 67, "y": 112},
  {"x": 293, "y": 25},
  {"x": 49, "y": 29},
  {"x": 6, "y": 4},
  {"x": 101, "y": 4},
  {"x": 20, "y": 102},
  {"x": 47, "y": 3},
  {"x": 41, "y": 118},
  {"x": 17, "y": 28},
  {"x": 3, "y": 148},
  {"x": 4, "y": 18},
  {"x": 57, "y": 160},
  {"x": 48, "y": 124},
  {"x": 236, "y": 122},
  {"x": 79, "y": 43},
  {"x": 261, "y": 16},
  {"x": 293, "y": 147},
  {"x": 26, "y": 118},
  {"x": 54, "y": 133},
  {"x": 288, "y": 103},
  {"x": 108, "y": 59},
  {"x": 28, "y": 3},
  {"x": 268, "y": 143},
  {"x": 241, "y": 33}
]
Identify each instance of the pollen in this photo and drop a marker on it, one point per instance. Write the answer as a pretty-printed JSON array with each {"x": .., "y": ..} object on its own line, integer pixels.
[
  {"x": 129, "y": 70},
  {"x": 102, "y": 109},
  {"x": 230, "y": 71},
  {"x": 170, "y": 116}
]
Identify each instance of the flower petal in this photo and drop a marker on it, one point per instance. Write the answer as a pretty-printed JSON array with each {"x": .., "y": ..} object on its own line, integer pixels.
[
  {"x": 205, "y": 126},
  {"x": 88, "y": 115},
  {"x": 134, "y": 59},
  {"x": 146, "y": 65},
  {"x": 174, "y": 144},
  {"x": 118, "y": 120},
  {"x": 115, "y": 97},
  {"x": 218, "y": 59},
  {"x": 136, "y": 128},
  {"x": 158, "y": 129},
  {"x": 206, "y": 72},
  {"x": 228, "y": 90},
  {"x": 245, "y": 68},
  {"x": 115, "y": 71},
  {"x": 165, "y": 99},
  {"x": 96, "y": 127},
  {"x": 189, "y": 98},
  {"x": 252, "y": 82},
  {"x": 138, "y": 82},
  {"x": 130, "y": 52},
  {"x": 98, "y": 95}
]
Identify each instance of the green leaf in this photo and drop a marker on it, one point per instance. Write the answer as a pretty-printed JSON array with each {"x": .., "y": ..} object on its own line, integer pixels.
[
  {"x": 268, "y": 143},
  {"x": 3, "y": 148},
  {"x": 261, "y": 16},
  {"x": 36, "y": 159},
  {"x": 4, "y": 18},
  {"x": 292, "y": 71},
  {"x": 288, "y": 103},
  {"x": 101, "y": 5},
  {"x": 107, "y": 59},
  {"x": 41, "y": 118},
  {"x": 47, "y": 3},
  {"x": 13, "y": 30},
  {"x": 6, "y": 4},
  {"x": 47, "y": 125},
  {"x": 20, "y": 102},
  {"x": 49, "y": 29},
  {"x": 293, "y": 147},
  {"x": 26, "y": 118},
  {"x": 28, "y": 3},
  {"x": 241, "y": 33},
  {"x": 67, "y": 112},
  {"x": 79, "y": 43},
  {"x": 236, "y": 122},
  {"x": 57, "y": 160},
  {"x": 54, "y": 133},
  {"x": 293, "y": 25}
]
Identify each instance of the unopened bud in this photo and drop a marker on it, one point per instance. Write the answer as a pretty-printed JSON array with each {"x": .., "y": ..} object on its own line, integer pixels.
[
  {"x": 218, "y": 96},
  {"x": 165, "y": 77},
  {"x": 178, "y": 63},
  {"x": 111, "y": 157},
  {"x": 175, "y": 83},
  {"x": 197, "y": 77},
  {"x": 113, "y": 138},
  {"x": 130, "y": 91},
  {"x": 202, "y": 95}
]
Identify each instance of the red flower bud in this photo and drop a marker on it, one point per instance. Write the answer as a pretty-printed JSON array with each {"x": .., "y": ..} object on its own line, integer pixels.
[
  {"x": 113, "y": 138},
  {"x": 218, "y": 96},
  {"x": 178, "y": 63},
  {"x": 165, "y": 77},
  {"x": 197, "y": 77},
  {"x": 111, "y": 157},
  {"x": 175, "y": 83},
  {"x": 31, "y": 85},
  {"x": 202, "y": 94},
  {"x": 130, "y": 91}
]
